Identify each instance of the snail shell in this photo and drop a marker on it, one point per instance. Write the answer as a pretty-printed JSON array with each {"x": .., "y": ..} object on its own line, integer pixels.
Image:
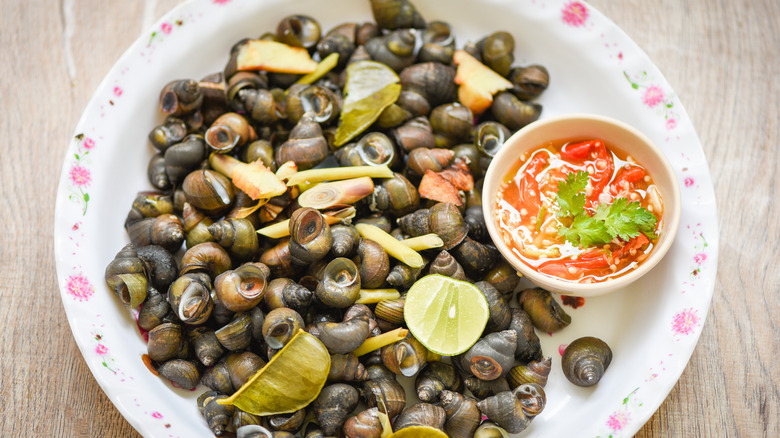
[
  {"x": 160, "y": 265},
  {"x": 435, "y": 378},
  {"x": 259, "y": 104},
  {"x": 500, "y": 315},
  {"x": 195, "y": 226},
  {"x": 506, "y": 410},
  {"x": 194, "y": 304},
  {"x": 463, "y": 415},
  {"x": 386, "y": 392},
  {"x": 180, "y": 97},
  {"x": 238, "y": 236},
  {"x": 217, "y": 377},
  {"x": 403, "y": 276},
  {"x": 446, "y": 221},
  {"x": 533, "y": 372},
  {"x": 365, "y": 424},
  {"x": 218, "y": 417},
  {"x": 283, "y": 292},
  {"x": 290, "y": 423},
  {"x": 155, "y": 310},
  {"x": 405, "y": 357},
  {"x": 391, "y": 310},
  {"x": 170, "y": 132},
  {"x": 149, "y": 204},
  {"x": 445, "y": 264},
  {"x": 438, "y": 43},
  {"x": 482, "y": 389},
  {"x": 492, "y": 356},
  {"x": 182, "y": 373},
  {"x": 243, "y": 418},
  {"x": 585, "y": 360},
  {"x": 126, "y": 276},
  {"x": 346, "y": 368},
  {"x": 166, "y": 342},
  {"x": 532, "y": 398},
  {"x": 513, "y": 112},
  {"x": 528, "y": 346},
  {"x": 498, "y": 52},
  {"x": 488, "y": 429},
  {"x": 277, "y": 258},
  {"x": 343, "y": 337},
  {"x": 242, "y": 366},
  {"x": 416, "y": 223},
  {"x": 237, "y": 334},
  {"x": 451, "y": 124},
  {"x": 529, "y": 81},
  {"x": 395, "y": 195},
  {"x": 306, "y": 145},
  {"x": 208, "y": 257},
  {"x": 414, "y": 134},
  {"x": 229, "y": 131},
  {"x": 475, "y": 222},
  {"x": 503, "y": 277},
  {"x": 546, "y": 314},
  {"x": 421, "y": 414},
  {"x": 475, "y": 257},
  {"x": 310, "y": 237},
  {"x": 280, "y": 325},
  {"x": 435, "y": 159},
  {"x": 333, "y": 406},
  {"x": 254, "y": 431},
  {"x": 345, "y": 240},
  {"x": 373, "y": 262},
  {"x": 433, "y": 81},
  {"x": 395, "y": 49},
  {"x": 299, "y": 31},
  {"x": 184, "y": 157},
  {"x": 206, "y": 345},
  {"x": 395, "y": 14},
  {"x": 340, "y": 285},
  {"x": 209, "y": 191},
  {"x": 165, "y": 230},
  {"x": 156, "y": 172},
  {"x": 243, "y": 288}
]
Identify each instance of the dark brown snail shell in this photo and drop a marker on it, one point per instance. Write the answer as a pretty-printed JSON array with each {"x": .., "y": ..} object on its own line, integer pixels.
[
  {"x": 405, "y": 357},
  {"x": 208, "y": 257},
  {"x": 306, "y": 145},
  {"x": 283, "y": 292},
  {"x": 229, "y": 131},
  {"x": 217, "y": 378},
  {"x": 395, "y": 14},
  {"x": 435, "y": 159},
  {"x": 206, "y": 345},
  {"x": 195, "y": 226},
  {"x": 337, "y": 42},
  {"x": 451, "y": 123},
  {"x": 513, "y": 112},
  {"x": 255, "y": 431},
  {"x": 155, "y": 310},
  {"x": 277, "y": 258},
  {"x": 492, "y": 356},
  {"x": 529, "y": 81},
  {"x": 365, "y": 424},
  {"x": 237, "y": 334},
  {"x": 391, "y": 311},
  {"x": 488, "y": 429},
  {"x": 384, "y": 392},
  {"x": 310, "y": 237},
  {"x": 415, "y": 103},
  {"x": 475, "y": 222},
  {"x": 243, "y": 288},
  {"x": 421, "y": 414},
  {"x": 475, "y": 257},
  {"x": 280, "y": 325},
  {"x": 395, "y": 49},
  {"x": 170, "y": 132},
  {"x": 585, "y": 360},
  {"x": 238, "y": 236},
  {"x": 334, "y": 405},
  {"x": 180, "y": 97},
  {"x": 290, "y": 423},
  {"x": 259, "y": 105},
  {"x": 500, "y": 315},
  {"x": 506, "y": 410},
  {"x": 346, "y": 368},
  {"x": 194, "y": 304},
  {"x": 395, "y": 195},
  {"x": 198, "y": 283},
  {"x": 126, "y": 276},
  {"x": 528, "y": 346},
  {"x": 463, "y": 415},
  {"x": 445, "y": 264},
  {"x": 532, "y": 372},
  {"x": 165, "y": 342},
  {"x": 447, "y": 222},
  {"x": 343, "y": 337},
  {"x": 340, "y": 284},
  {"x": 299, "y": 31},
  {"x": 149, "y": 204},
  {"x": 435, "y": 378},
  {"x": 498, "y": 52},
  {"x": 241, "y": 81},
  {"x": 414, "y": 134},
  {"x": 373, "y": 262},
  {"x": 156, "y": 173},
  {"x": 165, "y": 230},
  {"x": 471, "y": 154},
  {"x": 160, "y": 265},
  {"x": 242, "y": 366},
  {"x": 345, "y": 240},
  {"x": 184, "y": 157},
  {"x": 546, "y": 314},
  {"x": 373, "y": 149},
  {"x": 503, "y": 277},
  {"x": 532, "y": 398},
  {"x": 438, "y": 43},
  {"x": 209, "y": 191},
  {"x": 403, "y": 276},
  {"x": 416, "y": 223},
  {"x": 243, "y": 418},
  {"x": 482, "y": 389},
  {"x": 183, "y": 373},
  {"x": 218, "y": 416},
  {"x": 259, "y": 150},
  {"x": 378, "y": 220}
]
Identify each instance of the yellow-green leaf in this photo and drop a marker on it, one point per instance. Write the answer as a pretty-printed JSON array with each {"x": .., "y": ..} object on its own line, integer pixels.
[{"x": 370, "y": 88}]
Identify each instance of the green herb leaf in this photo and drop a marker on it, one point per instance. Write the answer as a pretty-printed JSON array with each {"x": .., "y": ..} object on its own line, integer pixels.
[
  {"x": 626, "y": 219},
  {"x": 571, "y": 199},
  {"x": 585, "y": 231}
]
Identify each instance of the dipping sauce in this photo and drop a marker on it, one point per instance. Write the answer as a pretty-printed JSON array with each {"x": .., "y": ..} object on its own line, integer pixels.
[{"x": 579, "y": 210}]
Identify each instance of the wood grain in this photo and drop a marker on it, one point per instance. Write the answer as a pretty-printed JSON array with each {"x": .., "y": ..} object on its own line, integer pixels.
[{"x": 720, "y": 56}]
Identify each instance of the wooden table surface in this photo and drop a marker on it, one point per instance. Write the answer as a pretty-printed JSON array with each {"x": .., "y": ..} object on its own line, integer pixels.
[{"x": 722, "y": 57}]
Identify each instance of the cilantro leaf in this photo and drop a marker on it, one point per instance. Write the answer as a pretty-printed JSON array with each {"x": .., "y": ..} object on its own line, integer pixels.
[
  {"x": 626, "y": 219},
  {"x": 571, "y": 198},
  {"x": 585, "y": 231}
]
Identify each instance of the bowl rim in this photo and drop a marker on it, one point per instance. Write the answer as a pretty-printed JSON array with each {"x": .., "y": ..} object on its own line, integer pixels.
[{"x": 672, "y": 206}]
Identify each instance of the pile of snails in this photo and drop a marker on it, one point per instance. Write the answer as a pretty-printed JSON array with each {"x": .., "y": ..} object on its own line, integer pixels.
[{"x": 217, "y": 313}]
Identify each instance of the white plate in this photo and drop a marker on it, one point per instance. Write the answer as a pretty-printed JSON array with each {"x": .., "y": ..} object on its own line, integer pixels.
[{"x": 594, "y": 67}]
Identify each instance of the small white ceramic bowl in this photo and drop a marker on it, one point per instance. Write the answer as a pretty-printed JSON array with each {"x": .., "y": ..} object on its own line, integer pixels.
[{"x": 582, "y": 126}]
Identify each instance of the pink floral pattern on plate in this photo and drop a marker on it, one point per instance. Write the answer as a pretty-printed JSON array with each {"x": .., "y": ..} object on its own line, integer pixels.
[
  {"x": 79, "y": 175},
  {"x": 654, "y": 97}
]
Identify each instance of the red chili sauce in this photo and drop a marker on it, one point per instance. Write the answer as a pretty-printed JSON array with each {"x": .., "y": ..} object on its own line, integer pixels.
[{"x": 529, "y": 213}]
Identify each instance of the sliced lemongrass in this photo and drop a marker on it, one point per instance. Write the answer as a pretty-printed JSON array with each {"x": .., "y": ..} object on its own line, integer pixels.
[
  {"x": 323, "y": 68},
  {"x": 223, "y": 163},
  {"x": 426, "y": 241},
  {"x": 330, "y": 194},
  {"x": 282, "y": 229},
  {"x": 373, "y": 296},
  {"x": 287, "y": 170},
  {"x": 393, "y": 247},
  {"x": 379, "y": 341},
  {"x": 339, "y": 173}
]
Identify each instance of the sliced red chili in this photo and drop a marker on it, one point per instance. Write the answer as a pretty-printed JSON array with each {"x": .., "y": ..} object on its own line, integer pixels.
[
  {"x": 628, "y": 175},
  {"x": 577, "y": 151},
  {"x": 635, "y": 243},
  {"x": 528, "y": 186},
  {"x": 594, "y": 259}
]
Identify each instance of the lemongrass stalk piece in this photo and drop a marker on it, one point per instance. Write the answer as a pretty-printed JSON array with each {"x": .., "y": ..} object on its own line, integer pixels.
[
  {"x": 223, "y": 163},
  {"x": 323, "y": 68},
  {"x": 339, "y": 173},
  {"x": 327, "y": 195},
  {"x": 287, "y": 170},
  {"x": 379, "y": 341},
  {"x": 373, "y": 296},
  {"x": 393, "y": 247},
  {"x": 426, "y": 241}
]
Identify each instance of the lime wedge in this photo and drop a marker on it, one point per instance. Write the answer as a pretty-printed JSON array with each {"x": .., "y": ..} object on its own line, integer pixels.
[
  {"x": 418, "y": 432},
  {"x": 290, "y": 381},
  {"x": 446, "y": 315}
]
